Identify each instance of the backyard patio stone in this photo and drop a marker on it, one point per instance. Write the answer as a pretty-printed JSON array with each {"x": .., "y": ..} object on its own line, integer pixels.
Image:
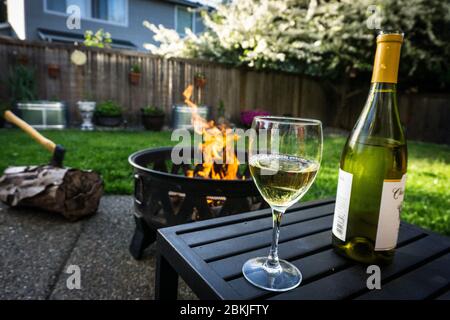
[
  {"x": 36, "y": 249},
  {"x": 33, "y": 248}
]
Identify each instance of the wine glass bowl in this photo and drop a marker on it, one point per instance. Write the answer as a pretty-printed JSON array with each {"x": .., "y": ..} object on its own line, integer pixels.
[{"x": 284, "y": 158}]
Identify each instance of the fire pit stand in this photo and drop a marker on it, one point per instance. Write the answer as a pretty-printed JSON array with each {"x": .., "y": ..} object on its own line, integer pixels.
[{"x": 165, "y": 196}]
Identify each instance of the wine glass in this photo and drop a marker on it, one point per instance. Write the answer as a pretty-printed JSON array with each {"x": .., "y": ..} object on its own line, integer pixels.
[{"x": 284, "y": 158}]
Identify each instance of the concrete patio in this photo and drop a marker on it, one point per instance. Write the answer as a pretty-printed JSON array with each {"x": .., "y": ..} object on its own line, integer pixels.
[{"x": 36, "y": 249}]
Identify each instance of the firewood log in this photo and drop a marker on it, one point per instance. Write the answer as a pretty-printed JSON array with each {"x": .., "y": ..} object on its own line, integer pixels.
[{"x": 70, "y": 192}]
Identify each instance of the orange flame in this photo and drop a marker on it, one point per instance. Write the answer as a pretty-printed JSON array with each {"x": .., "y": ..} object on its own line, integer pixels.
[{"x": 219, "y": 158}]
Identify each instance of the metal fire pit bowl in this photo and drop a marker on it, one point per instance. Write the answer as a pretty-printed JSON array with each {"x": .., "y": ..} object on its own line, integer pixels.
[{"x": 165, "y": 196}]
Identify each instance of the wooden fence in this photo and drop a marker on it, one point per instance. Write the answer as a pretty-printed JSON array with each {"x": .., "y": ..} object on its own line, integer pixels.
[
  {"x": 105, "y": 76},
  {"x": 425, "y": 116}
]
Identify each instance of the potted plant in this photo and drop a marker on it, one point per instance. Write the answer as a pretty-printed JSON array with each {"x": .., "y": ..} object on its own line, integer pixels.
[
  {"x": 53, "y": 70},
  {"x": 108, "y": 113},
  {"x": 200, "y": 80},
  {"x": 248, "y": 115},
  {"x": 135, "y": 74},
  {"x": 152, "y": 118},
  {"x": 41, "y": 114}
]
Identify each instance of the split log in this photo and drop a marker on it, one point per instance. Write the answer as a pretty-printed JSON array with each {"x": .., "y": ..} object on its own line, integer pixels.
[{"x": 70, "y": 192}]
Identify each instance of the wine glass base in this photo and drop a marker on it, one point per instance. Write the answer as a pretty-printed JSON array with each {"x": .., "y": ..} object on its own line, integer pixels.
[{"x": 257, "y": 273}]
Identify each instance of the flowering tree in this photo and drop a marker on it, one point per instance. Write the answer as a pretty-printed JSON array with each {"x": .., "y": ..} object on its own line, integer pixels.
[
  {"x": 99, "y": 39},
  {"x": 320, "y": 38}
]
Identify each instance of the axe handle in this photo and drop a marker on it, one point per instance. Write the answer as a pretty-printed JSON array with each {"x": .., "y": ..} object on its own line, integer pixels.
[{"x": 46, "y": 143}]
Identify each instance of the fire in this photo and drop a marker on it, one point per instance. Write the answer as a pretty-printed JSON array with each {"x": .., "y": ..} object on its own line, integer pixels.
[{"x": 219, "y": 157}]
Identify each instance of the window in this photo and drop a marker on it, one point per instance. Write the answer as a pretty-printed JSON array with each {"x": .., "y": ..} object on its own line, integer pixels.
[
  {"x": 110, "y": 10},
  {"x": 55, "y": 5},
  {"x": 184, "y": 19},
  {"x": 107, "y": 10},
  {"x": 3, "y": 16},
  {"x": 61, "y": 6}
]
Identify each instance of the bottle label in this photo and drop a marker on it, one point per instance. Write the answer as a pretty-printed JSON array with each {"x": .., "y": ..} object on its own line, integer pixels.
[
  {"x": 342, "y": 204},
  {"x": 389, "y": 217}
]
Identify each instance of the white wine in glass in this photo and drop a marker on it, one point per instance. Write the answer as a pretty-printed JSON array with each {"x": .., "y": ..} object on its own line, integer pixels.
[{"x": 284, "y": 158}]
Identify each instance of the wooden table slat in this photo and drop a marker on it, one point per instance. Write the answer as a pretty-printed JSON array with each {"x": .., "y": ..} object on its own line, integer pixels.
[
  {"x": 242, "y": 228},
  {"x": 205, "y": 282},
  {"x": 351, "y": 281},
  {"x": 253, "y": 241},
  {"x": 415, "y": 285},
  {"x": 310, "y": 267},
  {"x": 444, "y": 296},
  {"x": 232, "y": 266},
  {"x": 319, "y": 264},
  {"x": 237, "y": 218},
  {"x": 209, "y": 255}
]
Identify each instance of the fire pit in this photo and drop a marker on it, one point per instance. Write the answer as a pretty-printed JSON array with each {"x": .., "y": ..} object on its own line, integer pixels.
[{"x": 166, "y": 194}]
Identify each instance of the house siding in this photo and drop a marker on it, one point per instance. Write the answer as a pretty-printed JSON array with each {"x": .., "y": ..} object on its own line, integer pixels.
[{"x": 158, "y": 12}]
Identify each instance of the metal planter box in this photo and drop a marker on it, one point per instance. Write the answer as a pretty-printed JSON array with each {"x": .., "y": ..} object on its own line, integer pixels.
[
  {"x": 181, "y": 115},
  {"x": 44, "y": 114}
]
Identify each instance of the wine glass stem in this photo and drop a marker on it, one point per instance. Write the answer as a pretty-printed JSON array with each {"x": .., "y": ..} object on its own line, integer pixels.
[{"x": 273, "y": 264}]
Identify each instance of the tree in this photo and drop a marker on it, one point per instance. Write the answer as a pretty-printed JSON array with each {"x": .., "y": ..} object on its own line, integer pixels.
[{"x": 331, "y": 39}]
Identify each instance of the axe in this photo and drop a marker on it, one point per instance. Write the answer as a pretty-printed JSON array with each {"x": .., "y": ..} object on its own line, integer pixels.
[{"x": 57, "y": 150}]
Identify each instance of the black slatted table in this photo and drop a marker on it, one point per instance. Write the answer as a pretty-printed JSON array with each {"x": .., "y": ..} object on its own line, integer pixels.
[{"x": 209, "y": 256}]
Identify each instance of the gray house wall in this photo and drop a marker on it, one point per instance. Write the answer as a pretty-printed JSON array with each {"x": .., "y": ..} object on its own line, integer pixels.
[{"x": 158, "y": 12}]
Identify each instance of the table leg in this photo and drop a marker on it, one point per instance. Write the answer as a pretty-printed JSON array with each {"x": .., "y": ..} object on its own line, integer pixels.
[
  {"x": 142, "y": 238},
  {"x": 166, "y": 280}
]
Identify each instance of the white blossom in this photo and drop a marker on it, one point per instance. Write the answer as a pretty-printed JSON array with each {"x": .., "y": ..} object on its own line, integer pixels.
[{"x": 316, "y": 37}]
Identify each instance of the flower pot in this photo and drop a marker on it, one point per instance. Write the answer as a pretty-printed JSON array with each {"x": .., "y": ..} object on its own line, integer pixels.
[
  {"x": 182, "y": 115},
  {"x": 23, "y": 59},
  {"x": 200, "y": 82},
  {"x": 153, "y": 123},
  {"x": 106, "y": 121},
  {"x": 53, "y": 70},
  {"x": 134, "y": 78},
  {"x": 43, "y": 114},
  {"x": 86, "y": 109}
]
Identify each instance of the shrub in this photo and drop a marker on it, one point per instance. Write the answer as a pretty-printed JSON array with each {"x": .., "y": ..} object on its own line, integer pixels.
[
  {"x": 22, "y": 84},
  {"x": 152, "y": 111},
  {"x": 108, "y": 109},
  {"x": 99, "y": 39}
]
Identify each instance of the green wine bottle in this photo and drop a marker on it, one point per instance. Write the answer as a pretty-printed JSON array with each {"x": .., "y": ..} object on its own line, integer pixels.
[{"x": 372, "y": 170}]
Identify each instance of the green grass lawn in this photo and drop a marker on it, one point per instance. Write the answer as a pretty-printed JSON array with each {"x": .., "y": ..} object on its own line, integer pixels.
[{"x": 427, "y": 201}]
